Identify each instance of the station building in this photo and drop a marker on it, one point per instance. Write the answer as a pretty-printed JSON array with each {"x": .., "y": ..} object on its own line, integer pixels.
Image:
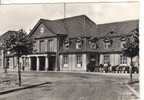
[{"x": 69, "y": 44}]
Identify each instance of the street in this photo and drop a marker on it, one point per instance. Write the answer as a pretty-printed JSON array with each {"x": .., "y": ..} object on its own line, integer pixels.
[{"x": 73, "y": 86}]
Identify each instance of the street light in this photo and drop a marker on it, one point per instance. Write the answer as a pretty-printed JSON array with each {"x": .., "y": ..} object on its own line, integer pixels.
[
  {"x": 8, "y": 52},
  {"x": 7, "y": 60}
]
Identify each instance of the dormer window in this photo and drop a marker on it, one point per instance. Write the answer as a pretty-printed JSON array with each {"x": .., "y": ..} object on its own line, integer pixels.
[
  {"x": 123, "y": 42},
  {"x": 107, "y": 43},
  {"x": 92, "y": 44},
  {"x": 78, "y": 44},
  {"x": 67, "y": 44}
]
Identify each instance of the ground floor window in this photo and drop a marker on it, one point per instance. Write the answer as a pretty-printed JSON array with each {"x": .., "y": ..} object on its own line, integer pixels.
[
  {"x": 65, "y": 60},
  {"x": 106, "y": 59},
  {"x": 123, "y": 59},
  {"x": 79, "y": 60}
]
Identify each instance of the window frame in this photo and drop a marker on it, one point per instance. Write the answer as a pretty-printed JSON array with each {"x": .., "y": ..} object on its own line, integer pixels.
[
  {"x": 93, "y": 44},
  {"x": 79, "y": 60},
  {"x": 50, "y": 45},
  {"x": 122, "y": 44},
  {"x": 67, "y": 44},
  {"x": 107, "y": 45},
  {"x": 65, "y": 60},
  {"x": 106, "y": 59},
  {"x": 78, "y": 44},
  {"x": 41, "y": 46},
  {"x": 123, "y": 59}
]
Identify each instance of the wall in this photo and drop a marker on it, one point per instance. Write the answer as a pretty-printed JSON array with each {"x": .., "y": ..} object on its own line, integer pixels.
[
  {"x": 72, "y": 66},
  {"x": 45, "y": 46},
  {"x": 38, "y": 36},
  {"x": 115, "y": 59}
]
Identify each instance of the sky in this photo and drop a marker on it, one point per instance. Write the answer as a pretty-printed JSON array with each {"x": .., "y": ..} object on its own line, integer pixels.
[
  {"x": 45, "y": 1},
  {"x": 14, "y": 16}
]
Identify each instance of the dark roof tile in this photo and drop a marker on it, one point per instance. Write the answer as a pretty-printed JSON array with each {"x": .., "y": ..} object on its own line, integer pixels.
[
  {"x": 117, "y": 28},
  {"x": 83, "y": 26}
]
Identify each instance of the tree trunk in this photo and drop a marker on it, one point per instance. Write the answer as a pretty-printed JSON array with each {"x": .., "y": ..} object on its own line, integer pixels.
[
  {"x": 4, "y": 63},
  {"x": 131, "y": 69},
  {"x": 19, "y": 71}
]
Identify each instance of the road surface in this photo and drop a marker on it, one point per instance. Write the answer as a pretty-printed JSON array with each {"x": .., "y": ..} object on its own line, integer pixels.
[{"x": 73, "y": 86}]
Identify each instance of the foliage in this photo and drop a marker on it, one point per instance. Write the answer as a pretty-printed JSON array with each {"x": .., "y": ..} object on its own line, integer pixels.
[
  {"x": 18, "y": 43},
  {"x": 132, "y": 45}
]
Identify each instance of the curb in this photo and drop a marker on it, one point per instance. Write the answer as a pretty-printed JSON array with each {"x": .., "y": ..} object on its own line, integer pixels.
[
  {"x": 22, "y": 88},
  {"x": 88, "y": 73}
]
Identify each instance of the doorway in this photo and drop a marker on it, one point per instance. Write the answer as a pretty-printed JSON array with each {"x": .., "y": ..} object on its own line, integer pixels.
[
  {"x": 42, "y": 63},
  {"x": 33, "y": 63},
  {"x": 52, "y": 60}
]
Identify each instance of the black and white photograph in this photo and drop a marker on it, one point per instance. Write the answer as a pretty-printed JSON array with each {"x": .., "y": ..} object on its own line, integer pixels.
[{"x": 69, "y": 51}]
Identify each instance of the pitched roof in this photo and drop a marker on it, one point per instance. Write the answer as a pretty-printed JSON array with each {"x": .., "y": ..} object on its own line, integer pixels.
[
  {"x": 117, "y": 28},
  {"x": 72, "y": 26},
  {"x": 82, "y": 26}
]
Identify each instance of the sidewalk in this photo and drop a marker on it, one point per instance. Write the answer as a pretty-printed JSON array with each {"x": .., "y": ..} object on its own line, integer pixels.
[{"x": 11, "y": 84}]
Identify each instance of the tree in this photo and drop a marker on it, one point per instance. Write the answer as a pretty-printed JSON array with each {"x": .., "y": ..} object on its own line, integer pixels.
[
  {"x": 132, "y": 48},
  {"x": 5, "y": 46},
  {"x": 18, "y": 44}
]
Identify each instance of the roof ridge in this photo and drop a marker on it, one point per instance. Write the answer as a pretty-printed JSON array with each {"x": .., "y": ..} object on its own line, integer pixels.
[
  {"x": 77, "y": 16},
  {"x": 124, "y": 21}
]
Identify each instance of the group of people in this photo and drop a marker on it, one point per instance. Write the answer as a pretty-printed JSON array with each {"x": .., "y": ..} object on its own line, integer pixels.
[{"x": 91, "y": 67}]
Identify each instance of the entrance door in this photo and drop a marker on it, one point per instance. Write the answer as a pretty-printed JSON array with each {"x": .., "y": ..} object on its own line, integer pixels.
[
  {"x": 42, "y": 63},
  {"x": 52, "y": 60},
  {"x": 33, "y": 63}
]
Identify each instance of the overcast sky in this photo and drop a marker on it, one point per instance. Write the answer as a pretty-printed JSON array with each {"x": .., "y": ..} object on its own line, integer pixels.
[{"x": 14, "y": 17}]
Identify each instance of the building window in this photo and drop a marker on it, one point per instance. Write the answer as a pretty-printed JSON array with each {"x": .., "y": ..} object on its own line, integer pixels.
[
  {"x": 123, "y": 44},
  {"x": 92, "y": 44},
  {"x": 0, "y": 62},
  {"x": 107, "y": 45},
  {"x": 65, "y": 60},
  {"x": 42, "y": 30},
  {"x": 79, "y": 60},
  {"x": 50, "y": 45},
  {"x": 42, "y": 46},
  {"x": 123, "y": 59},
  {"x": 34, "y": 46},
  {"x": 78, "y": 44},
  {"x": 106, "y": 59},
  {"x": 66, "y": 44}
]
